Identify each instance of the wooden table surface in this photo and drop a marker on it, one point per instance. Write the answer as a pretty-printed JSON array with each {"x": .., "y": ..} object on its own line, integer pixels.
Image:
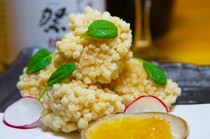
[{"x": 188, "y": 39}]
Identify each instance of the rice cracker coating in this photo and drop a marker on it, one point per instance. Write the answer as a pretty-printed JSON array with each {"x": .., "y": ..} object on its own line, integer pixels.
[
  {"x": 97, "y": 60},
  {"x": 32, "y": 84},
  {"x": 105, "y": 80},
  {"x": 72, "y": 106},
  {"x": 134, "y": 82}
]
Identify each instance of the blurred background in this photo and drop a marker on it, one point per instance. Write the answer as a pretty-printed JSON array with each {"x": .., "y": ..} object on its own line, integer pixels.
[
  {"x": 180, "y": 29},
  {"x": 188, "y": 37}
]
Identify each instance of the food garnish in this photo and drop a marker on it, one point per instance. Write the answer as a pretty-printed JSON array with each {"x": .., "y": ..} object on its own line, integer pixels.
[
  {"x": 58, "y": 76},
  {"x": 61, "y": 73},
  {"x": 154, "y": 72},
  {"x": 24, "y": 113},
  {"x": 147, "y": 103},
  {"x": 101, "y": 29},
  {"x": 39, "y": 61}
]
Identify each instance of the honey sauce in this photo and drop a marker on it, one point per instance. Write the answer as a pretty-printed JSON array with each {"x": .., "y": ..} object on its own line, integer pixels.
[{"x": 132, "y": 128}]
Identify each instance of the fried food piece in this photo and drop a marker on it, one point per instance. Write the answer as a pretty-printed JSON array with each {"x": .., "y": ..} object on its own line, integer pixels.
[
  {"x": 105, "y": 79},
  {"x": 72, "y": 106},
  {"x": 32, "y": 84},
  {"x": 134, "y": 82},
  {"x": 97, "y": 60}
]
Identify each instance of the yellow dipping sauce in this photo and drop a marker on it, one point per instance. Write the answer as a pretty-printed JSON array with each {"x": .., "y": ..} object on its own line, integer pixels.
[{"x": 132, "y": 128}]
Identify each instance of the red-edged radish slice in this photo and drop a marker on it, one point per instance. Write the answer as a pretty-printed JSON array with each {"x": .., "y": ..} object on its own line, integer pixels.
[
  {"x": 146, "y": 104},
  {"x": 24, "y": 113}
]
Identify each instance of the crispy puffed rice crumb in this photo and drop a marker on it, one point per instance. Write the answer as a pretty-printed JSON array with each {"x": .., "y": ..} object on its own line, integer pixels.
[
  {"x": 89, "y": 53},
  {"x": 135, "y": 82},
  {"x": 104, "y": 81},
  {"x": 32, "y": 84},
  {"x": 78, "y": 103}
]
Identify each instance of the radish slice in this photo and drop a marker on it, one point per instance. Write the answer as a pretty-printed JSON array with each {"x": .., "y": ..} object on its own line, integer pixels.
[
  {"x": 24, "y": 113},
  {"x": 146, "y": 104}
]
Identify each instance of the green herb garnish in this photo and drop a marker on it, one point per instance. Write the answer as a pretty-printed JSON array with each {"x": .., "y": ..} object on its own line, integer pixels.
[
  {"x": 61, "y": 73},
  {"x": 42, "y": 93},
  {"x": 155, "y": 73},
  {"x": 39, "y": 61},
  {"x": 58, "y": 76},
  {"x": 102, "y": 29}
]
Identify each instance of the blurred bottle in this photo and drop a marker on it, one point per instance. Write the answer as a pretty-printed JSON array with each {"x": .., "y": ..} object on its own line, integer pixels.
[
  {"x": 148, "y": 18},
  {"x": 160, "y": 15},
  {"x": 36, "y": 23}
]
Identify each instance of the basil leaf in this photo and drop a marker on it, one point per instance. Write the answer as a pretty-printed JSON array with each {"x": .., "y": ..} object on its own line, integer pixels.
[
  {"x": 102, "y": 29},
  {"x": 61, "y": 73},
  {"x": 42, "y": 93},
  {"x": 155, "y": 73},
  {"x": 39, "y": 61}
]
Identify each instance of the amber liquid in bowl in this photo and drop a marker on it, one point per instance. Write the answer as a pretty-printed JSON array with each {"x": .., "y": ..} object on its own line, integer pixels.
[{"x": 133, "y": 127}]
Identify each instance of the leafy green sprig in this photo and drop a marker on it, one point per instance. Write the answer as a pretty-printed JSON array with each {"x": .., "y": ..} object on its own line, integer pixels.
[
  {"x": 101, "y": 29},
  {"x": 154, "y": 72},
  {"x": 58, "y": 76},
  {"x": 39, "y": 61}
]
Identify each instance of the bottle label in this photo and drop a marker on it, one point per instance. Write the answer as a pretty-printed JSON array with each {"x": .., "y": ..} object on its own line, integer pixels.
[{"x": 41, "y": 23}]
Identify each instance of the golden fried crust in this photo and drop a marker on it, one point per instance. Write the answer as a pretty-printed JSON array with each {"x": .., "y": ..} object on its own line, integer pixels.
[
  {"x": 134, "y": 82},
  {"x": 97, "y": 60},
  {"x": 32, "y": 84},
  {"x": 104, "y": 81},
  {"x": 72, "y": 106}
]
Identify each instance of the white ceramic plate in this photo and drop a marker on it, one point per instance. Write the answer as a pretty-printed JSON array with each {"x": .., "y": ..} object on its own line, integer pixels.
[{"x": 197, "y": 117}]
